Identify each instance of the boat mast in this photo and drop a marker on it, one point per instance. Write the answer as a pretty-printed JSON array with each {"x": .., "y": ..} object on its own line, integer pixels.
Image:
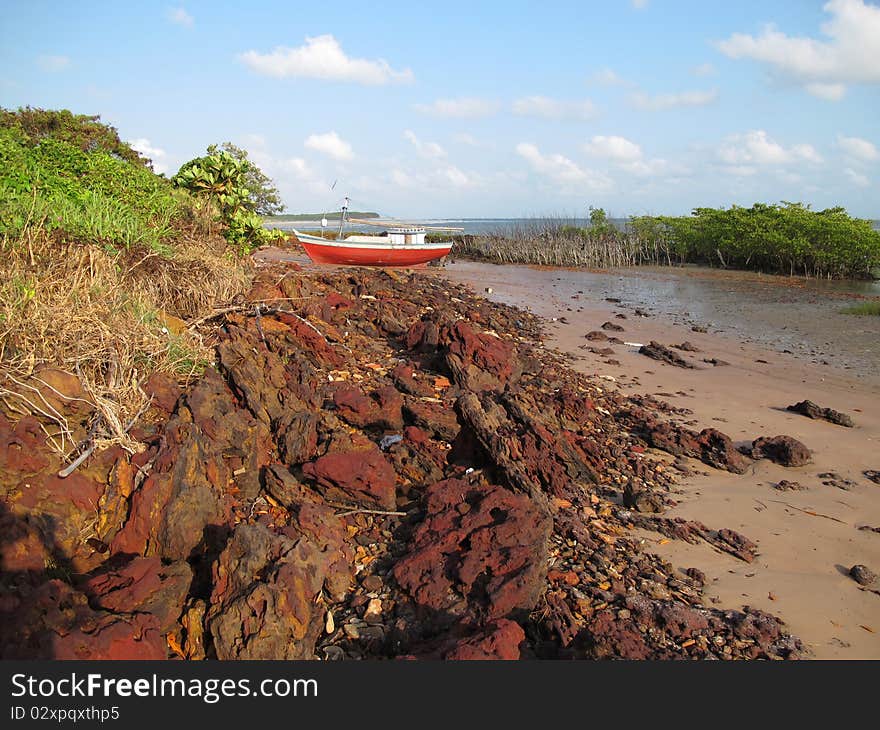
[{"x": 342, "y": 218}]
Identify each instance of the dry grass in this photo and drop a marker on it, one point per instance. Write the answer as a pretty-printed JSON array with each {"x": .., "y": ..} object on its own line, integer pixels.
[{"x": 109, "y": 317}]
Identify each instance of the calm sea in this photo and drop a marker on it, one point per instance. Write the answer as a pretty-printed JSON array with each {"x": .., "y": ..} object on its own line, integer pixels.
[{"x": 474, "y": 226}]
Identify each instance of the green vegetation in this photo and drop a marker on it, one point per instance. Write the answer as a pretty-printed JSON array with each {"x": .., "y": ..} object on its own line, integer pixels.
[
  {"x": 261, "y": 191},
  {"x": 317, "y": 216},
  {"x": 103, "y": 262},
  {"x": 223, "y": 181},
  {"x": 72, "y": 175},
  {"x": 864, "y": 309},
  {"x": 779, "y": 239}
]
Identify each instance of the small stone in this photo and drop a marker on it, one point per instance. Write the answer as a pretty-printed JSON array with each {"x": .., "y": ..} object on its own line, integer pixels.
[
  {"x": 862, "y": 575},
  {"x": 372, "y": 583},
  {"x": 329, "y": 625},
  {"x": 374, "y": 609},
  {"x": 351, "y": 631}
]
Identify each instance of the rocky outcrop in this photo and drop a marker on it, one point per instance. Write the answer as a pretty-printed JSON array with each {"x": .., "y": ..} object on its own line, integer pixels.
[
  {"x": 783, "y": 450},
  {"x": 811, "y": 410},
  {"x": 480, "y": 552},
  {"x": 263, "y": 605}
]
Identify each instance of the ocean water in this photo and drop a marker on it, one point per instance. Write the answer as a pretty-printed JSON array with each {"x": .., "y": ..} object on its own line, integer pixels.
[{"x": 472, "y": 226}]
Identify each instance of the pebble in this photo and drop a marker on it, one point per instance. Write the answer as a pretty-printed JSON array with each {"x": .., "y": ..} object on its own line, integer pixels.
[{"x": 862, "y": 575}]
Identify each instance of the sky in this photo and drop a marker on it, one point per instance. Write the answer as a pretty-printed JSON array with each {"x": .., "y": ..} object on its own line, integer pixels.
[{"x": 479, "y": 109}]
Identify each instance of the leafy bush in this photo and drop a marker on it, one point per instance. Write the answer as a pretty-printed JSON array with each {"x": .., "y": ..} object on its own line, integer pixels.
[
  {"x": 221, "y": 180},
  {"x": 783, "y": 239}
]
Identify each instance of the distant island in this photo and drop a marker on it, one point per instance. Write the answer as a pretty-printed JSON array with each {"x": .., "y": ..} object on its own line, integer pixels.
[{"x": 318, "y": 216}]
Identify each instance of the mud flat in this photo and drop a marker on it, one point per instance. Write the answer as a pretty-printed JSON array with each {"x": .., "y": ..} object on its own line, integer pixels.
[{"x": 808, "y": 531}]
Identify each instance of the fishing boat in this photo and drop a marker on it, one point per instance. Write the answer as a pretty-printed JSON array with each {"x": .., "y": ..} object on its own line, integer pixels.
[{"x": 400, "y": 244}]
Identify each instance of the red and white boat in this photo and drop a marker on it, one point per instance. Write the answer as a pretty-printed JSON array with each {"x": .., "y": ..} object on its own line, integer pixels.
[{"x": 401, "y": 244}]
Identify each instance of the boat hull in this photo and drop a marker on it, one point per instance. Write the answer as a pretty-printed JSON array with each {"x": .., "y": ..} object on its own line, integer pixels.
[{"x": 374, "y": 254}]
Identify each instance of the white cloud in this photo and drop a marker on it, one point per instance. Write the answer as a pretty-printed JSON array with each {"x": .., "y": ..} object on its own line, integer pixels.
[
  {"x": 660, "y": 102},
  {"x": 858, "y": 148},
  {"x": 639, "y": 4},
  {"x": 462, "y": 108},
  {"x": 323, "y": 58},
  {"x": 330, "y": 144},
  {"x": 145, "y": 148},
  {"x": 655, "y": 167},
  {"x": 179, "y": 16},
  {"x": 806, "y": 152},
  {"x": 740, "y": 170},
  {"x": 562, "y": 170},
  {"x": 857, "y": 178},
  {"x": 53, "y": 63},
  {"x": 829, "y": 92},
  {"x": 758, "y": 148},
  {"x": 465, "y": 138},
  {"x": 542, "y": 106},
  {"x": 456, "y": 177},
  {"x": 849, "y": 54},
  {"x": 440, "y": 179},
  {"x": 704, "y": 69},
  {"x": 428, "y": 150},
  {"x": 298, "y": 167},
  {"x": 613, "y": 148},
  {"x": 608, "y": 77}
]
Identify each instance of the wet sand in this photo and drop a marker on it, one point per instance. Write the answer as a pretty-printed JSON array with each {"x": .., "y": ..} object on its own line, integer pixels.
[{"x": 808, "y": 539}]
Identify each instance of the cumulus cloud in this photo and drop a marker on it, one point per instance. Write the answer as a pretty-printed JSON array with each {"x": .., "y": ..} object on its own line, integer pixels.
[
  {"x": 428, "y": 150},
  {"x": 53, "y": 64},
  {"x": 608, "y": 77},
  {"x": 145, "y": 148},
  {"x": 179, "y": 16},
  {"x": 661, "y": 102},
  {"x": 321, "y": 57},
  {"x": 857, "y": 178},
  {"x": 330, "y": 144},
  {"x": 461, "y": 108},
  {"x": 560, "y": 169},
  {"x": 613, "y": 148},
  {"x": 829, "y": 92},
  {"x": 542, "y": 106},
  {"x": 448, "y": 177},
  {"x": 758, "y": 148},
  {"x": 298, "y": 167},
  {"x": 704, "y": 69},
  {"x": 849, "y": 53},
  {"x": 858, "y": 148},
  {"x": 465, "y": 138}
]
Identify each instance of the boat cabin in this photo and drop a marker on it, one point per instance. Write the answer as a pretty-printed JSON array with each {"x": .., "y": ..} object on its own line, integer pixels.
[
  {"x": 397, "y": 236},
  {"x": 407, "y": 235}
]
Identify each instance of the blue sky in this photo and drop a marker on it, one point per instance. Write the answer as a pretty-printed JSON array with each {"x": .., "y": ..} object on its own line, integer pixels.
[{"x": 480, "y": 109}]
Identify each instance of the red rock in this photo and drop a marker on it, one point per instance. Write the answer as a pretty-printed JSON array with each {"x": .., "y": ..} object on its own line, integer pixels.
[
  {"x": 164, "y": 392},
  {"x": 489, "y": 561},
  {"x": 498, "y": 641},
  {"x": 479, "y": 361},
  {"x": 263, "y": 605},
  {"x": 144, "y": 585},
  {"x": 362, "y": 477},
  {"x": 54, "y": 621},
  {"x": 381, "y": 411},
  {"x": 311, "y": 342},
  {"x": 783, "y": 450}
]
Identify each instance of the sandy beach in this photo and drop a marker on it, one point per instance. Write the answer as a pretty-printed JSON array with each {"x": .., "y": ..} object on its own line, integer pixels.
[{"x": 808, "y": 538}]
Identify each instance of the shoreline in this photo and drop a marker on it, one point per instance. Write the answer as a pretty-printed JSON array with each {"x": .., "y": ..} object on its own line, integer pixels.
[{"x": 800, "y": 573}]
